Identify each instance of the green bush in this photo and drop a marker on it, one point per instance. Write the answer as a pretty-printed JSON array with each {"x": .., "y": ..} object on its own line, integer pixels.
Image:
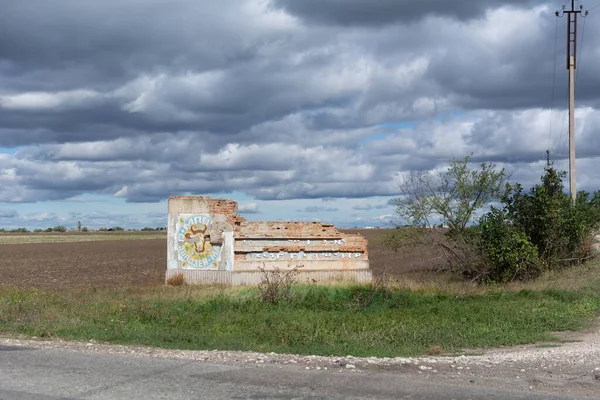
[
  {"x": 561, "y": 230},
  {"x": 59, "y": 228},
  {"x": 509, "y": 252},
  {"x": 537, "y": 230},
  {"x": 534, "y": 231}
]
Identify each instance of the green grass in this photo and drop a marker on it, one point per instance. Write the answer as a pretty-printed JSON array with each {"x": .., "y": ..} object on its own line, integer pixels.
[
  {"x": 323, "y": 320},
  {"x": 18, "y": 238}
]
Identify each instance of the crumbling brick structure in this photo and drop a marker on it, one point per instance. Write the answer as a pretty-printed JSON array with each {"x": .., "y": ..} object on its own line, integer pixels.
[{"x": 210, "y": 243}]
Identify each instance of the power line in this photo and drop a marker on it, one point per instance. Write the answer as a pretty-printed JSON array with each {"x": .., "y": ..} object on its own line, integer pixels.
[
  {"x": 580, "y": 50},
  {"x": 553, "y": 84}
]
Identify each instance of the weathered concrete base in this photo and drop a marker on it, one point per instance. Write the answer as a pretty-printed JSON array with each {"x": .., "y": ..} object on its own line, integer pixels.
[{"x": 203, "y": 277}]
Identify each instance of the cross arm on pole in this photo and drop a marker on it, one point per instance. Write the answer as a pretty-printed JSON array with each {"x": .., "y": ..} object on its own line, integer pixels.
[{"x": 572, "y": 30}]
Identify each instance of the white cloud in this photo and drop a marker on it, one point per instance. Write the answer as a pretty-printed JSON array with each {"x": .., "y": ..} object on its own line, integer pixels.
[
  {"x": 249, "y": 208},
  {"x": 44, "y": 101}
]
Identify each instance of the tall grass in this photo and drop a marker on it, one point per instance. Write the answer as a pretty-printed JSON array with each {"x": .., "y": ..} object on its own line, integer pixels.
[{"x": 324, "y": 320}]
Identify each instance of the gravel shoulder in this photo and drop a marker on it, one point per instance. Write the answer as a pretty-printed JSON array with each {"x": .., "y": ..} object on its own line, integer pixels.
[{"x": 570, "y": 367}]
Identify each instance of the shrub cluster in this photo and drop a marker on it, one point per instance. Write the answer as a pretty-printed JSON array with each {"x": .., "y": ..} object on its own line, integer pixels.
[
  {"x": 538, "y": 230},
  {"x": 509, "y": 254},
  {"x": 531, "y": 232}
]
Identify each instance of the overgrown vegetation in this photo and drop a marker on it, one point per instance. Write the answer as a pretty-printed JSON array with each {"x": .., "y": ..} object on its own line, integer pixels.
[
  {"x": 562, "y": 230},
  {"x": 176, "y": 280},
  {"x": 323, "y": 320},
  {"x": 276, "y": 285},
  {"x": 531, "y": 232},
  {"x": 451, "y": 197},
  {"x": 507, "y": 249}
]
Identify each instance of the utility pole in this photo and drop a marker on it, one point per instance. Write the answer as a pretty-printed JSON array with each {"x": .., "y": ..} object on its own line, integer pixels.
[{"x": 572, "y": 15}]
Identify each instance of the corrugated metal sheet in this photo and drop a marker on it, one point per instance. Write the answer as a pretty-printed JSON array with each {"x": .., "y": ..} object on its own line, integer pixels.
[
  {"x": 196, "y": 276},
  {"x": 254, "y": 278}
]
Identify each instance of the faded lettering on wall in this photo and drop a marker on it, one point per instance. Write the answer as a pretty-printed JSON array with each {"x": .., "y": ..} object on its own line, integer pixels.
[
  {"x": 285, "y": 256},
  {"x": 287, "y": 242}
]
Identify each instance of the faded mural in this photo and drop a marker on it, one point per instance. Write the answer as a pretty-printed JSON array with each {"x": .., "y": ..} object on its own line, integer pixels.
[
  {"x": 194, "y": 247},
  {"x": 209, "y": 242}
]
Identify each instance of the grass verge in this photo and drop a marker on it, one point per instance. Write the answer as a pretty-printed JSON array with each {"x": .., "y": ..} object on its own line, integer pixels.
[{"x": 323, "y": 320}]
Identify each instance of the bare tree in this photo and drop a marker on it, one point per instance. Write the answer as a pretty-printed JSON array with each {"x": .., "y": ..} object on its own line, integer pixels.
[{"x": 452, "y": 196}]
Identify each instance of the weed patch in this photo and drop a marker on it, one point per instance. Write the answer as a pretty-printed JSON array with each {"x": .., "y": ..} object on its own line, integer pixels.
[{"x": 176, "y": 280}]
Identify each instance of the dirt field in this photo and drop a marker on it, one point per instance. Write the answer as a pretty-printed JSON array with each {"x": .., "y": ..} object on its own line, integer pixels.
[
  {"x": 67, "y": 237},
  {"x": 95, "y": 264},
  {"x": 142, "y": 262},
  {"x": 382, "y": 259}
]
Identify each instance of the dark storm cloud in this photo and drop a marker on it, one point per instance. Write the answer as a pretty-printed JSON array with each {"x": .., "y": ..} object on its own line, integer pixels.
[
  {"x": 142, "y": 64},
  {"x": 381, "y": 12},
  {"x": 146, "y": 99},
  {"x": 99, "y": 43},
  {"x": 179, "y": 81}
]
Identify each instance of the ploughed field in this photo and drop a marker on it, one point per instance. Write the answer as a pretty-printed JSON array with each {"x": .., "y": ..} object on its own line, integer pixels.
[
  {"x": 64, "y": 261},
  {"x": 79, "y": 264}
]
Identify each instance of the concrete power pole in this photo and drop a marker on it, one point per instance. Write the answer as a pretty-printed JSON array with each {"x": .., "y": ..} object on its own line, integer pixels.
[{"x": 572, "y": 15}]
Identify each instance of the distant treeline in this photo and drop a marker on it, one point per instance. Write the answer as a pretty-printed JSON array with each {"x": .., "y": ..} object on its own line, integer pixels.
[{"x": 61, "y": 228}]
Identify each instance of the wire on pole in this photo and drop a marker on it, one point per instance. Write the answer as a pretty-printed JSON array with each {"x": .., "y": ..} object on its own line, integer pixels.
[{"x": 553, "y": 84}]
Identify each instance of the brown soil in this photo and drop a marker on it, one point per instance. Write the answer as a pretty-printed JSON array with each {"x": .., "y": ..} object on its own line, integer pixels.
[
  {"x": 80, "y": 264},
  {"x": 127, "y": 263},
  {"x": 410, "y": 260}
]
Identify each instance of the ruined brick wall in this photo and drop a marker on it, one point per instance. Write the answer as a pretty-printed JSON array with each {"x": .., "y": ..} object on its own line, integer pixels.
[
  {"x": 288, "y": 230},
  {"x": 255, "y": 245},
  {"x": 321, "y": 235},
  {"x": 226, "y": 207},
  {"x": 285, "y": 245},
  {"x": 222, "y": 206}
]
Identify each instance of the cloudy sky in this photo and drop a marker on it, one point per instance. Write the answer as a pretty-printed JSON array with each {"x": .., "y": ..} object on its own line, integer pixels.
[{"x": 300, "y": 110}]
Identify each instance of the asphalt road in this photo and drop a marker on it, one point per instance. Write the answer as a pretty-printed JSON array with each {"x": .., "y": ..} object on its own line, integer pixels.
[{"x": 51, "y": 374}]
